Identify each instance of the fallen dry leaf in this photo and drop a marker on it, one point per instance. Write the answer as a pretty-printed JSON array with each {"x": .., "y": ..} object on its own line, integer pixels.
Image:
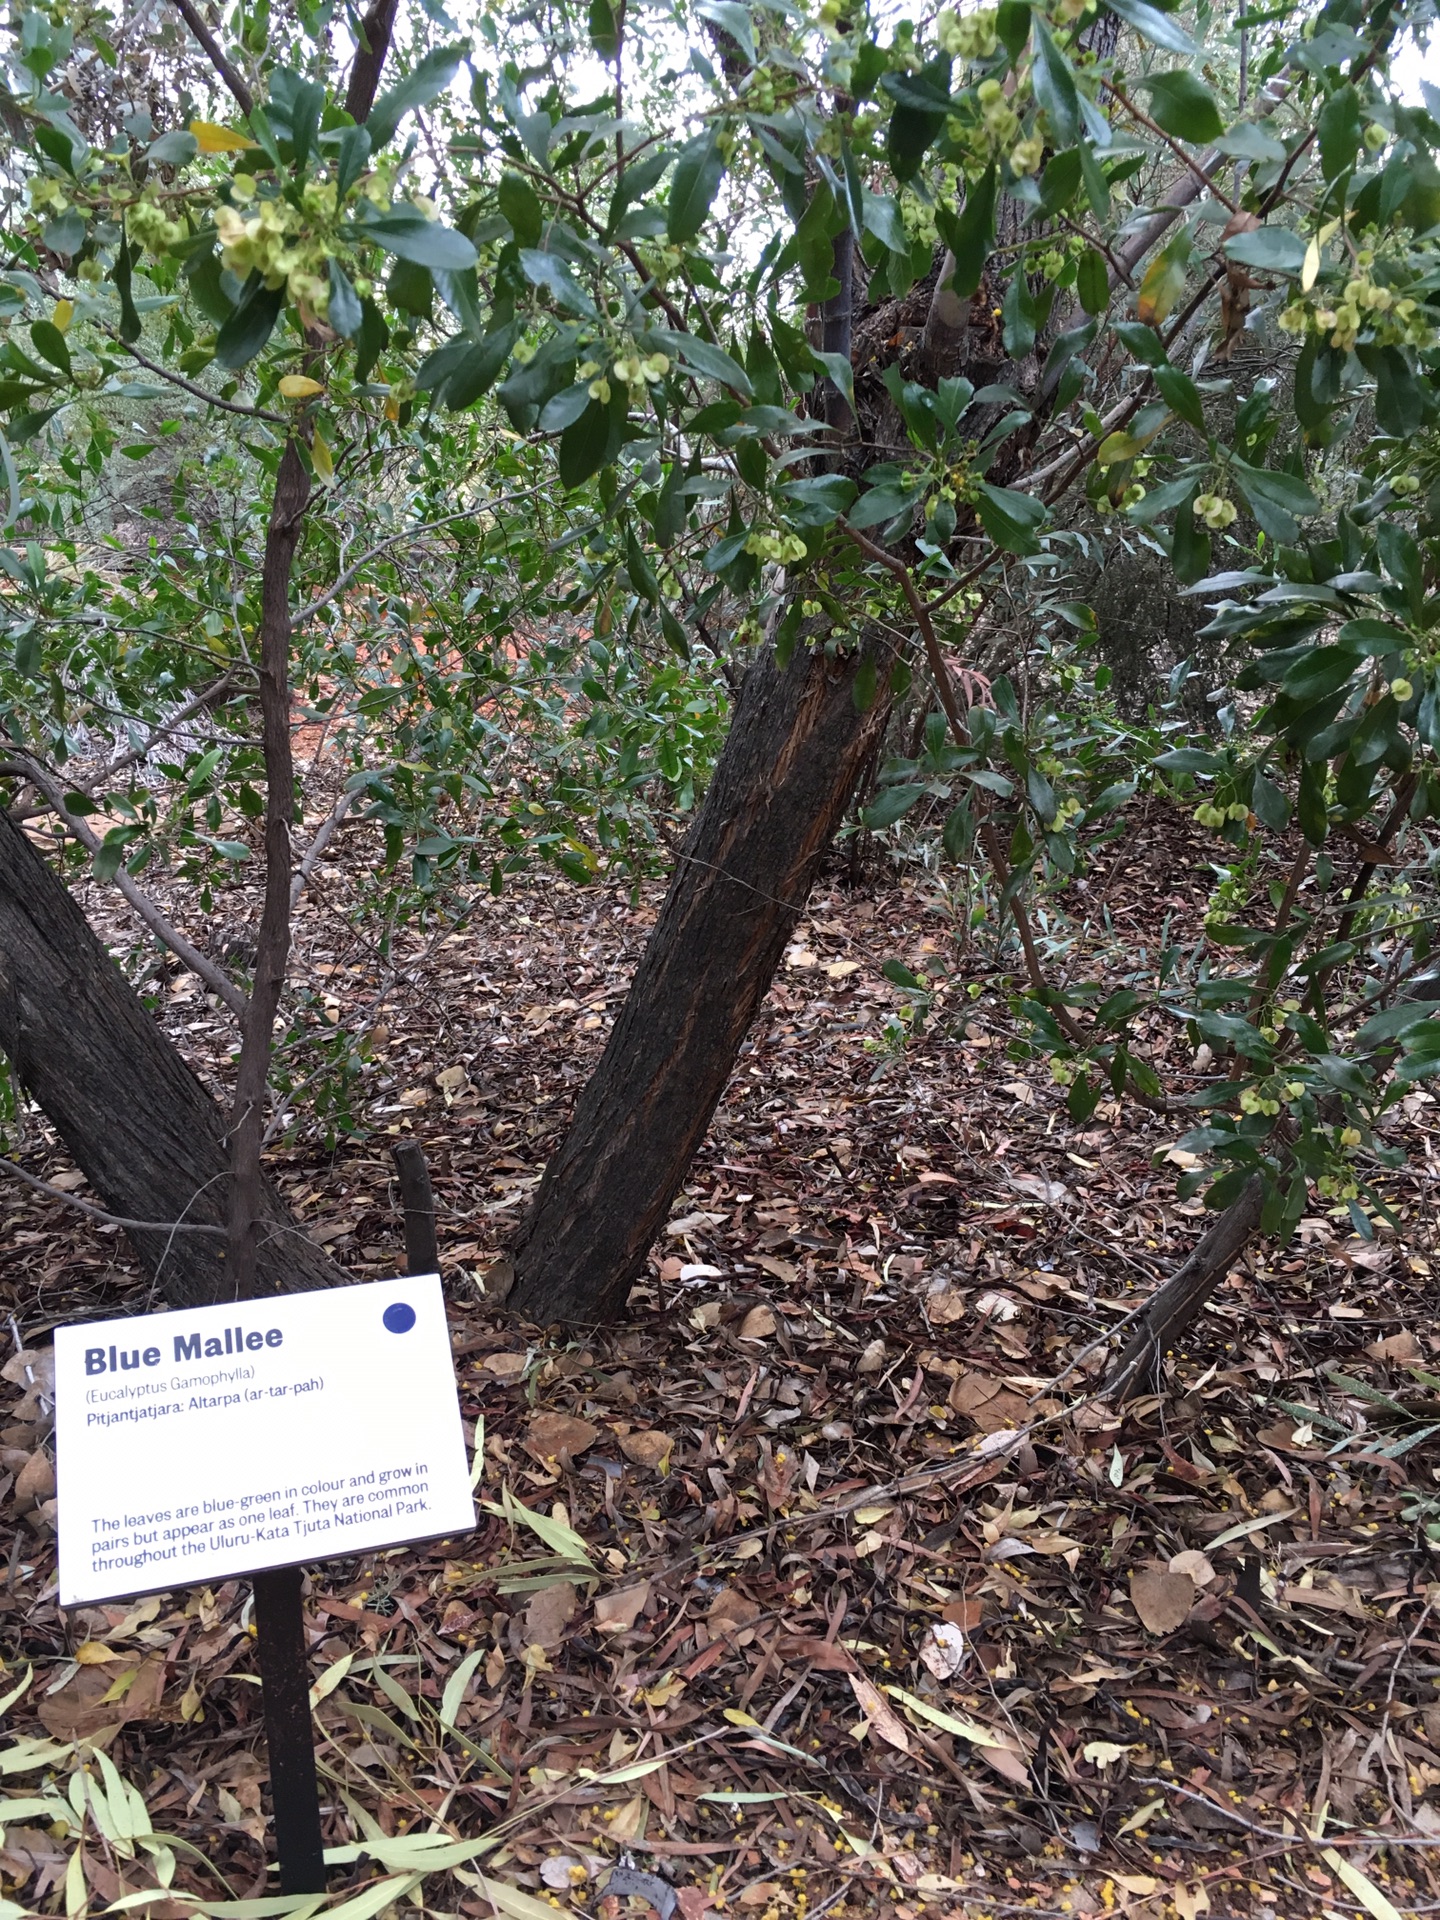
[
  {"x": 650, "y": 1449},
  {"x": 943, "y": 1650},
  {"x": 1194, "y": 1565},
  {"x": 505, "y": 1367},
  {"x": 36, "y": 1479},
  {"x": 730, "y": 1610},
  {"x": 758, "y": 1324},
  {"x": 618, "y": 1612},
  {"x": 548, "y": 1614},
  {"x": 885, "y": 1723},
  {"x": 1162, "y": 1600},
  {"x": 981, "y": 1398},
  {"x": 1403, "y": 1348},
  {"x": 559, "y": 1436},
  {"x": 945, "y": 1308}
]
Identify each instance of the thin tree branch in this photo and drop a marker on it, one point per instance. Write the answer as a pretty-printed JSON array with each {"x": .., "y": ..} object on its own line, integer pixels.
[
  {"x": 200, "y": 393},
  {"x": 206, "y": 697},
  {"x": 308, "y": 612},
  {"x": 99, "y": 1213},
  {"x": 377, "y": 23},
  {"x": 1203, "y": 170},
  {"x": 243, "y": 97},
  {"x": 219, "y": 983},
  {"x": 317, "y": 846},
  {"x": 257, "y": 1026},
  {"x": 990, "y": 839}
]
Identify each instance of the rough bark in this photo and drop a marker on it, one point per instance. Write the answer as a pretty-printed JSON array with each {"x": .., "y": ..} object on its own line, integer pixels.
[
  {"x": 796, "y": 748},
  {"x": 1179, "y": 1302},
  {"x": 141, "y": 1128},
  {"x": 377, "y": 23}
]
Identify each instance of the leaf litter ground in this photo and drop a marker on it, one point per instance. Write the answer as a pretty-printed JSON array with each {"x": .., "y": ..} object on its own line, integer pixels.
[{"x": 824, "y": 1584}]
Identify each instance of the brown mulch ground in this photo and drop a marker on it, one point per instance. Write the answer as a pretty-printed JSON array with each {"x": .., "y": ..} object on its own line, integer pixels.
[{"x": 1176, "y": 1659}]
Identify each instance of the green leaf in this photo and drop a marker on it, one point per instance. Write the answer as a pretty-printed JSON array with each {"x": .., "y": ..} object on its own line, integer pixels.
[
  {"x": 639, "y": 177},
  {"x": 49, "y": 343},
  {"x": 1310, "y": 807},
  {"x": 704, "y": 358},
  {"x": 698, "y": 173},
  {"x": 584, "y": 445},
  {"x": 354, "y": 151},
  {"x": 478, "y": 371},
  {"x": 426, "y": 82},
  {"x": 175, "y": 149},
  {"x": 1092, "y": 281},
  {"x": 1190, "y": 549},
  {"x": 410, "y": 236},
  {"x": 1143, "y": 341},
  {"x": 1270, "y": 249},
  {"x": 250, "y": 325},
  {"x": 1276, "y": 499},
  {"x": 1021, "y": 317},
  {"x": 1269, "y": 804},
  {"x": 733, "y": 20},
  {"x": 882, "y": 217},
  {"x": 108, "y": 856},
  {"x": 922, "y": 102},
  {"x": 410, "y": 289},
  {"x": 971, "y": 235},
  {"x": 1188, "y": 760},
  {"x": 604, "y": 29},
  {"x": 1321, "y": 671},
  {"x": 863, "y": 686},
  {"x": 897, "y": 972},
  {"x": 1339, "y": 131},
  {"x": 821, "y": 499},
  {"x": 676, "y": 637},
  {"x": 1394, "y": 1022},
  {"x": 344, "y": 313},
  {"x": 881, "y": 505},
  {"x": 1402, "y": 400},
  {"x": 1040, "y": 794},
  {"x": 1010, "y": 518},
  {"x": 521, "y": 207},
  {"x": 549, "y": 272},
  {"x": 1161, "y": 29},
  {"x": 1245, "y": 141},
  {"x": 888, "y": 806},
  {"x": 120, "y": 274},
  {"x": 1182, "y": 397},
  {"x": 1184, "y": 106},
  {"x": 1055, "y": 87},
  {"x": 564, "y": 408}
]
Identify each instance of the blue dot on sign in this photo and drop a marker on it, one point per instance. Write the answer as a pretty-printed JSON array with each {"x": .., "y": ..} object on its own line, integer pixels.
[{"x": 400, "y": 1317}]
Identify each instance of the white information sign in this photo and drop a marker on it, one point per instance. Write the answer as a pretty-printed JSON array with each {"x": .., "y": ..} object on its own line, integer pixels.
[{"x": 223, "y": 1440}]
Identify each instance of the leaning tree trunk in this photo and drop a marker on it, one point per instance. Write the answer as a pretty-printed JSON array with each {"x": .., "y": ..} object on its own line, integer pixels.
[
  {"x": 1178, "y": 1304},
  {"x": 140, "y": 1126},
  {"x": 796, "y": 747}
]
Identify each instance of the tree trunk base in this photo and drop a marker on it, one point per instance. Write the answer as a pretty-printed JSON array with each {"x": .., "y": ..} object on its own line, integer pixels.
[
  {"x": 1179, "y": 1302},
  {"x": 141, "y": 1128},
  {"x": 796, "y": 748}
]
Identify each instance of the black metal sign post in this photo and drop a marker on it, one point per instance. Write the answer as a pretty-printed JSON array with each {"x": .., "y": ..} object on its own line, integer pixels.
[
  {"x": 285, "y": 1686},
  {"x": 280, "y": 1622}
]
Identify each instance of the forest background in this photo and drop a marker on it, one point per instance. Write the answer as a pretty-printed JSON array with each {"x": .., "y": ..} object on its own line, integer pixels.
[{"x": 852, "y": 596}]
